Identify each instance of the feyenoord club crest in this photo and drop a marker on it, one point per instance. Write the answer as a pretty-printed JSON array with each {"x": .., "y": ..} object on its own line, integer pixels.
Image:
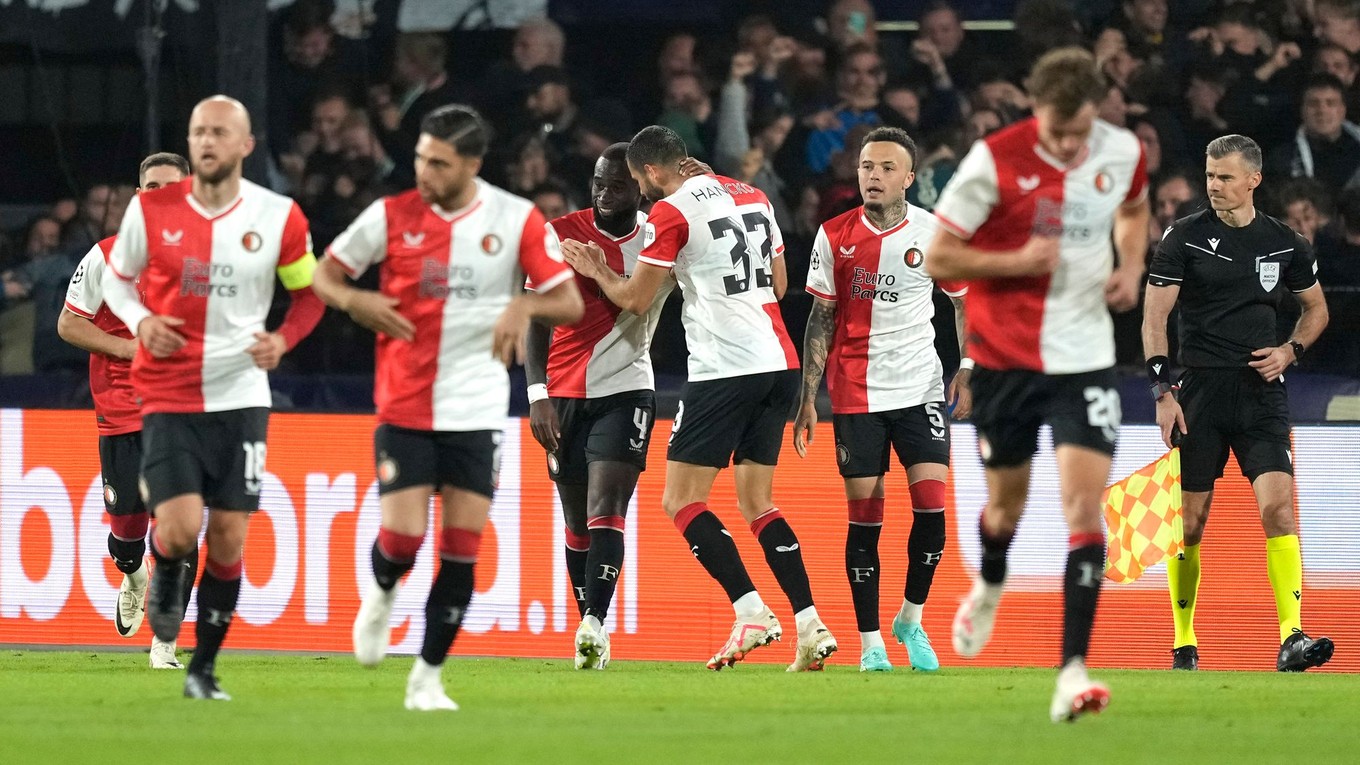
[
  {"x": 387, "y": 469},
  {"x": 914, "y": 258},
  {"x": 110, "y": 496},
  {"x": 491, "y": 244},
  {"x": 1104, "y": 181},
  {"x": 1269, "y": 275},
  {"x": 553, "y": 465},
  {"x": 252, "y": 241},
  {"x": 842, "y": 454}
]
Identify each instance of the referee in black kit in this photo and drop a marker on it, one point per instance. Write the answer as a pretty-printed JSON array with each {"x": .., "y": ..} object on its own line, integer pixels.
[{"x": 1230, "y": 266}]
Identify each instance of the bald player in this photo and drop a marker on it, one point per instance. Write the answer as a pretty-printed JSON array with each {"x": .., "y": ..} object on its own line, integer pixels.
[{"x": 206, "y": 253}]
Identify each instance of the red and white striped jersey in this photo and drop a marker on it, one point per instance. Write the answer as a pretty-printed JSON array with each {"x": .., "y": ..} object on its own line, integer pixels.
[
  {"x": 454, "y": 273},
  {"x": 214, "y": 270},
  {"x": 883, "y": 354},
  {"x": 115, "y": 403},
  {"x": 608, "y": 351},
  {"x": 719, "y": 236},
  {"x": 1008, "y": 188}
]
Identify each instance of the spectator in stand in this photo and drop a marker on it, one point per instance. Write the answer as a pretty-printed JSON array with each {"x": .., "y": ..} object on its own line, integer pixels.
[
  {"x": 744, "y": 147},
  {"x": 550, "y": 107},
  {"x": 689, "y": 111},
  {"x": 506, "y": 84},
  {"x": 1263, "y": 76},
  {"x": 1151, "y": 138},
  {"x": 43, "y": 238},
  {"x": 530, "y": 164},
  {"x": 1203, "y": 97},
  {"x": 1326, "y": 146},
  {"x": 552, "y": 199},
  {"x": 317, "y": 153},
  {"x": 852, "y": 24},
  {"x": 1113, "y": 108},
  {"x": 91, "y": 220},
  {"x": 1041, "y": 26},
  {"x": 941, "y": 49},
  {"x": 982, "y": 122},
  {"x": 1338, "y": 254},
  {"x": 312, "y": 57},
  {"x": 1145, "y": 28},
  {"x": 1170, "y": 197},
  {"x": 940, "y": 151},
  {"x": 859, "y": 82},
  {"x": 1337, "y": 22},
  {"x": 420, "y": 84},
  {"x": 759, "y": 36},
  {"x": 1334, "y": 60},
  {"x": 1306, "y": 206},
  {"x": 361, "y": 174}
]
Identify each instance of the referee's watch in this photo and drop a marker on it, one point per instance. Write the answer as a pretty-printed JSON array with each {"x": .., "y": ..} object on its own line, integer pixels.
[{"x": 1298, "y": 350}]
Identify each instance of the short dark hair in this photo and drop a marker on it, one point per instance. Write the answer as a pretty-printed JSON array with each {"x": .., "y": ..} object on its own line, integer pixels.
[
  {"x": 892, "y": 135},
  {"x": 1324, "y": 81},
  {"x": 656, "y": 145},
  {"x": 615, "y": 152},
  {"x": 304, "y": 16},
  {"x": 1235, "y": 144},
  {"x": 1067, "y": 79},
  {"x": 461, "y": 126},
  {"x": 1348, "y": 209},
  {"x": 1309, "y": 190},
  {"x": 162, "y": 159}
]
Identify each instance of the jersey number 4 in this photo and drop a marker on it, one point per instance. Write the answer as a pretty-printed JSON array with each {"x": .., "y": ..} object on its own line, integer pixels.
[{"x": 742, "y": 257}]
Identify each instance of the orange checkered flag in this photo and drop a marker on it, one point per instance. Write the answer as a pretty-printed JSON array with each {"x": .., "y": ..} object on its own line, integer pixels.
[{"x": 1143, "y": 518}]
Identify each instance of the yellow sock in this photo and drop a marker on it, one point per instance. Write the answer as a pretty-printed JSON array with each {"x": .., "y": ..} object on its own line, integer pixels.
[
  {"x": 1284, "y": 564},
  {"x": 1182, "y": 578}
]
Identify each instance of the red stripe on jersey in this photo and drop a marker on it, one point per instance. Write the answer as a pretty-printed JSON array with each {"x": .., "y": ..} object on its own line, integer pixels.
[
  {"x": 544, "y": 271},
  {"x": 741, "y": 193},
  {"x": 1005, "y": 316},
  {"x": 1140, "y": 176},
  {"x": 403, "y": 386},
  {"x": 573, "y": 345},
  {"x": 174, "y": 383},
  {"x": 848, "y": 364},
  {"x": 818, "y": 293},
  {"x": 669, "y": 232},
  {"x": 77, "y": 311},
  {"x": 116, "y": 408},
  {"x": 777, "y": 324}
]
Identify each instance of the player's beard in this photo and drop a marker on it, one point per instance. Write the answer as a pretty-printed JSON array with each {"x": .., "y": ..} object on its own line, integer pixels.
[{"x": 224, "y": 171}]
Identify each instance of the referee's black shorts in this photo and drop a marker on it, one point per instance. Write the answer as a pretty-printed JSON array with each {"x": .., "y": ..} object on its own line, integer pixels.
[{"x": 1232, "y": 408}]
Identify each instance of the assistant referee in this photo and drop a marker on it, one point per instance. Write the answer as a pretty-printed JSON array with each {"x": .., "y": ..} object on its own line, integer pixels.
[{"x": 1230, "y": 266}]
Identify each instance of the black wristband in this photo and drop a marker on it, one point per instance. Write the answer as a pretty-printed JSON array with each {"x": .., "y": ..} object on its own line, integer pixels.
[{"x": 1159, "y": 370}]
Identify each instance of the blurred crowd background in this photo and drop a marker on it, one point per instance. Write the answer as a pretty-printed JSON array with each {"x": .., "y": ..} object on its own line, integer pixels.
[{"x": 777, "y": 94}]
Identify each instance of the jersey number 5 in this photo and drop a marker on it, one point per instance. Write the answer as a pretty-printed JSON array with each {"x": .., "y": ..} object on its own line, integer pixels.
[{"x": 741, "y": 252}]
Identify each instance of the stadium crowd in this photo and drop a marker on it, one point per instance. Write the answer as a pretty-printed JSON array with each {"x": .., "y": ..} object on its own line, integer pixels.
[{"x": 776, "y": 104}]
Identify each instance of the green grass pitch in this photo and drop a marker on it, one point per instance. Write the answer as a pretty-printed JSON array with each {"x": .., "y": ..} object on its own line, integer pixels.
[{"x": 108, "y": 707}]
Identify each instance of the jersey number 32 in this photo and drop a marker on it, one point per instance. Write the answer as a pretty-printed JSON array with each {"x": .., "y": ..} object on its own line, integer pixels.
[{"x": 742, "y": 257}]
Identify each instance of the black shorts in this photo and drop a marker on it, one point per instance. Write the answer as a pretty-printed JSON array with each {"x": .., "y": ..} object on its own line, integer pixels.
[
  {"x": 120, "y": 465},
  {"x": 1232, "y": 408},
  {"x": 1009, "y": 406},
  {"x": 733, "y": 419},
  {"x": 468, "y": 460},
  {"x": 918, "y": 434},
  {"x": 614, "y": 428},
  {"x": 217, "y": 455}
]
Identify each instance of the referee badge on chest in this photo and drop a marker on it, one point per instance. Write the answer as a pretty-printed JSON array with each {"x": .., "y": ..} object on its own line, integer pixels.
[{"x": 1269, "y": 274}]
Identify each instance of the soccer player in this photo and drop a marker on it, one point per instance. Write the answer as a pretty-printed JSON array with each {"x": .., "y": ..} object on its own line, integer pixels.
[
  {"x": 205, "y": 254},
  {"x": 450, "y": 315},
  {"x": 88, "y": 324},
  {"x": 592, "y": 401},
  {"x": 718, "y": 237},
  {"x": 1229, "y": 267},
  {"x": 870, "y": 327},
  {"x": 1028, "y": 220}
]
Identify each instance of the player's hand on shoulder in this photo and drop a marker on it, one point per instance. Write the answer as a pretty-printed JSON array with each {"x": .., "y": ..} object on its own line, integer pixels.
[
  {"x": 268, "y": 350},
  {"x": 378, "y": 312},
  {"x": 158, "y": 335},
  {"x": 803, "y": 426},
  {"x": 690, "y": 167},
  {"x": 1040, "y": 255},
  {"x": 544, "y": 425},
  {"x": 586, "y": 257}
]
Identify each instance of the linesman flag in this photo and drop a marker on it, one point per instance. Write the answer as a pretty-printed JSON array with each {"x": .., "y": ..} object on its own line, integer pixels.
[{"x": 1143, "y": 517}]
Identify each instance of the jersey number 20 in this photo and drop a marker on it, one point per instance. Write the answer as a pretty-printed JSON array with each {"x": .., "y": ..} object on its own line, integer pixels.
[{"x": 741, "y": 252}]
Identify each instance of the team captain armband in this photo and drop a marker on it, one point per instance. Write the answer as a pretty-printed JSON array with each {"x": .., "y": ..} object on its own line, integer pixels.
[{"x": 298, "y": 274}]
